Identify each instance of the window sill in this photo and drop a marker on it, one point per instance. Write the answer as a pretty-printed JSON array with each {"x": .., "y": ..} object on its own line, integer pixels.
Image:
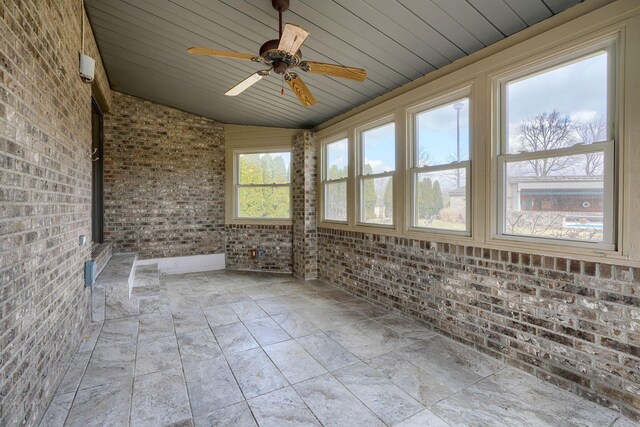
[
  {"x": 259, "y": 222},
  {"x": 581, "y": 250}
]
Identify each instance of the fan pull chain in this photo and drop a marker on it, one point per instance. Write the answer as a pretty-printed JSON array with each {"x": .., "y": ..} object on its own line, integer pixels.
[{"x": 282, "y": 88}]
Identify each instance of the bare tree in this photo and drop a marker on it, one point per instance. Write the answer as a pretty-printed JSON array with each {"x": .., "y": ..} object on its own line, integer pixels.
[
  {"x": 424, "y": 157},
  {"x": 546, "y": 131},
  {"x": 588, "y": 133}
]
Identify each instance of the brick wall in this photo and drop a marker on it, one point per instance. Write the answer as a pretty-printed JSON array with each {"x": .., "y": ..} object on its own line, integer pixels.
[
  {"x": 45, "y": 203},
  {"x": 303, "y": 188},
  {"x": 163, "y": 180},
  {"x": 275, "y": 240},
  {"x": 573, "y": 323}
]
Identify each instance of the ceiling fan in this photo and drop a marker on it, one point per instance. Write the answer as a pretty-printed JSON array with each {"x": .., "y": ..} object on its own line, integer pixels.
[{"x": 282, "y": 55}]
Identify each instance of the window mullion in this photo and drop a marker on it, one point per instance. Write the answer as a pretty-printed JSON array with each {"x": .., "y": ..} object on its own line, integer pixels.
[
  {"x": 444, "y": 167},
  {"x": 377, "y": 175},
  {"x": 560, "y": 152}
]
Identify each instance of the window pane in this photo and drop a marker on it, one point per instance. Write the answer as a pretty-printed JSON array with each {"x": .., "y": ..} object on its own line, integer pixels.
[
  {"x": 379, "y": 149},
  {"x": 264, "y": 168},
  {"x": 559, "y": 108},
  {"x": 335, "y": 201},
  {"x": 377, "y": 200},
  {"x": 337, "y": 159},
  {"x": 264, "y": 202},
  {"x": 442, "y": 134},
  {"x": 441, "y": 200},
  {"x": 558, "y": 197}
]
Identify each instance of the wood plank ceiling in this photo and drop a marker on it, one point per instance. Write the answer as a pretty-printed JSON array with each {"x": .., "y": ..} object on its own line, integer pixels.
[{"x": 143, "y": 45}]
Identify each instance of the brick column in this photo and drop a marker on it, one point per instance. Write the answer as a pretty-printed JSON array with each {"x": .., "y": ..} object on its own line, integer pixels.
[{"x": 305, "y": 239}]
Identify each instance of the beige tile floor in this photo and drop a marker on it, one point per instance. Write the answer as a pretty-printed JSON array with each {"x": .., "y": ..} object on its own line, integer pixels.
[{"x": 244, "y": 349}]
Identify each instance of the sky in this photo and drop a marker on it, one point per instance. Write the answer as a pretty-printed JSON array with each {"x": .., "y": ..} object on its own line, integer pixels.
[
  {"x": 437, "y": 133},
  {"x": 378, "y": 148},
  {"x": 337, "y": 153},
  {"x": 578, "y": 90}
]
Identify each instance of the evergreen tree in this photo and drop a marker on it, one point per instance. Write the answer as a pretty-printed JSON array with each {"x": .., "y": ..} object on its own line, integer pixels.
[
  {"x": 437, "y": 202},
  {"x": 369, "y": 195},
  {"x": 277, "y": 202},
  {"x": 280, "y": 170},
  {"x": 251, "y": 201},
  {"x": 430, "y": 203},
  {"x": 335, "y": 172},
  {"x": 424, "y": 196},
  {"x": 388, "y": 199}
]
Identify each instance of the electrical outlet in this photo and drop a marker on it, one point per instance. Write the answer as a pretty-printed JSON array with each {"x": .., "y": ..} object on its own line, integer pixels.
[
  {"x": 254, "y": 253},
  {"x": 260, "y": 253}
]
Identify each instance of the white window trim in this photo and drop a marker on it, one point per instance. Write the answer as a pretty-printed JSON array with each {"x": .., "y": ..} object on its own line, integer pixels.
[
  {"x": 360, "y": 177},
  {"x": 236, "y": 219},
  {"x": 610, "y": 243},
  {"x": 324, "y": 180},
  {"x": 413, "y": 170}
]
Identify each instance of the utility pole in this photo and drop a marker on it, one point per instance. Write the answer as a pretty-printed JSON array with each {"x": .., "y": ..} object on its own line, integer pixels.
[{"x": 458, "y": 106}]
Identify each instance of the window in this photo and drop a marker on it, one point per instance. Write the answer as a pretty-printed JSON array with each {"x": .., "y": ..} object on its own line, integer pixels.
[
  {"x": 263, "y": 185},
  {"x": 439, "y": 172},
  {"x": 377, "y": 165},
  {"x": 334, "y": 180},
  {"x": 556, "y": 159}
]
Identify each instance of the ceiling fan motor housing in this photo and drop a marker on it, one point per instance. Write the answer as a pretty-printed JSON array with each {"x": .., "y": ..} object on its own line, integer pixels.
[{"x": 280, "y": 60}]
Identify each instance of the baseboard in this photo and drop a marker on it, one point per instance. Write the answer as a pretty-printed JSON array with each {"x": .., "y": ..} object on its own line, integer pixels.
[{"x": 186, "y": 264}]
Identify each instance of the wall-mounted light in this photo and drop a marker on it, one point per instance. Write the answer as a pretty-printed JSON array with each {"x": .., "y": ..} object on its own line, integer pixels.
[{"x": 87, "y": 63}]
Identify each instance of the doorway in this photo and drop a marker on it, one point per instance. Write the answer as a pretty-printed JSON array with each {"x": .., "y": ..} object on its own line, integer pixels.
[{"x": 97, "y": 163}]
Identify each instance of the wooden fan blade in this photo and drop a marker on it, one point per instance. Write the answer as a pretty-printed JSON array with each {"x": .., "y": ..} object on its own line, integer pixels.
[
  {"x": 292, "y": 38},
  {"x": 334, "y": 70},
  {"x": 246, "y": 83},
  {"x": 213, "y": 52},
  {"x": 301, "y": 90}
]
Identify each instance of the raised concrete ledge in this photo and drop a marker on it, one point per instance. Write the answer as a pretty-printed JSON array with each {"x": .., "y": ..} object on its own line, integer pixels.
[
  {"x": 102, "y": 253},
  {"x": 186, "y": 264},
  {"x": 110, "y": 294}
]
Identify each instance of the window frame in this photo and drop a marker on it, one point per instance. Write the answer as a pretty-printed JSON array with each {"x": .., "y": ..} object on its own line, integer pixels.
[
  {"x": 360, "y": 177},
  {"x": 609, "y": 147},
  {"x": 324, "y": 180},
  {"x": 236, "y": 186},
  {"x": 413, "y": 170}
]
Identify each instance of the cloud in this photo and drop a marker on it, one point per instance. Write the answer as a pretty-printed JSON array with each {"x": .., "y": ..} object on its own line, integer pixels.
[{"x": 583, "y": 116}]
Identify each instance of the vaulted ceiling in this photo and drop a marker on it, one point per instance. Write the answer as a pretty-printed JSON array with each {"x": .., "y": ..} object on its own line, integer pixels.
[{"x": 143, "y": 46}]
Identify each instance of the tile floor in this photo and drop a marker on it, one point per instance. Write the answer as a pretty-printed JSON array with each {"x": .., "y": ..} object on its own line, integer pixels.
[{"x": 244, "y": 349}]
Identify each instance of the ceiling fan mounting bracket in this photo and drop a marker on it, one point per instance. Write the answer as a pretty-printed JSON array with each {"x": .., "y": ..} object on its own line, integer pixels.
[{"x": 280, "y": 5}]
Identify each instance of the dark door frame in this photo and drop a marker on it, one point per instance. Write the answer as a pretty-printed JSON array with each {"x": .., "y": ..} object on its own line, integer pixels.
[{"x": 97, "y": 171}]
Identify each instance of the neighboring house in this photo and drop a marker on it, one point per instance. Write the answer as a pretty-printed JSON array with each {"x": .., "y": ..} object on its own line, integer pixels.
[
  {"x": 579, "y": 198},
  {"x": 458, "y": 199},
  {"x": 555, "y": 194}
]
